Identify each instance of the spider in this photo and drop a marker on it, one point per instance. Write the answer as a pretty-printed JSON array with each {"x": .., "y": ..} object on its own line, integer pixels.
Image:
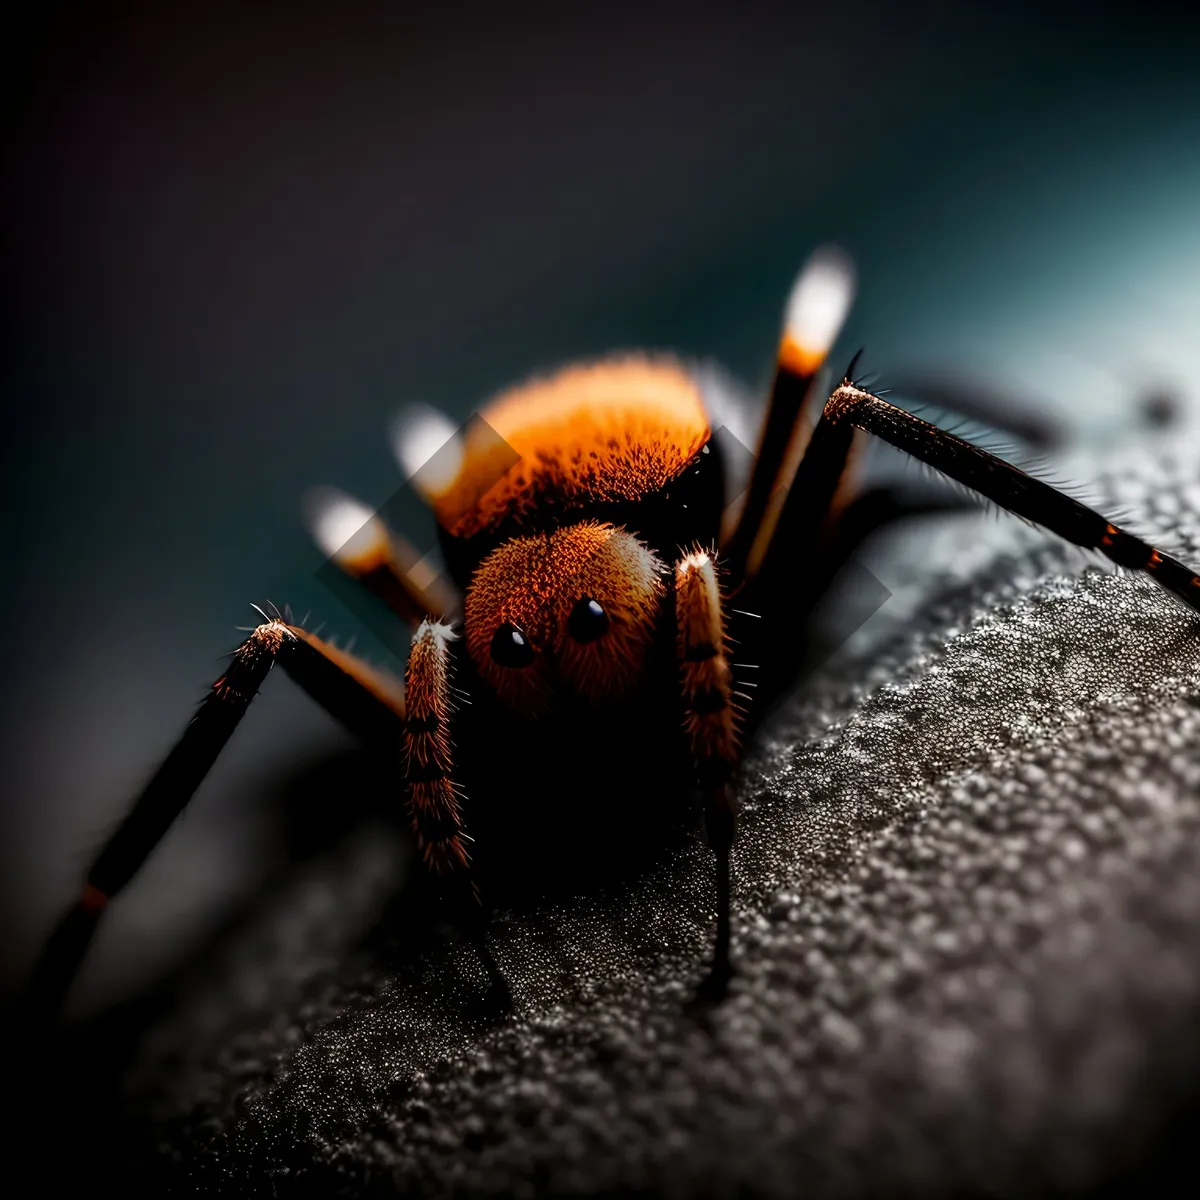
[{"x": 585, "y": 522}]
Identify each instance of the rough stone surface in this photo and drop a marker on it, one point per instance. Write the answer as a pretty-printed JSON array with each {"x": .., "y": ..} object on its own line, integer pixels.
[{"x": 967, "y": 919}]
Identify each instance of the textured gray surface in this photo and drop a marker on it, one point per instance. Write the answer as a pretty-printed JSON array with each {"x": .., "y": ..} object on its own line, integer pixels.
[{"x": 967, "y": 918}]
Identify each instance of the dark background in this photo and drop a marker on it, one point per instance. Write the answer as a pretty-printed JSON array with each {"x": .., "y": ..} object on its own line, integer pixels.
[{"x": 238, "y": 239}]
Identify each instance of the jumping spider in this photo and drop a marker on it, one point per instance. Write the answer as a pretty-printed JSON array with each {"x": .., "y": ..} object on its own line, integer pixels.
[{"x": 580, "y": 520}]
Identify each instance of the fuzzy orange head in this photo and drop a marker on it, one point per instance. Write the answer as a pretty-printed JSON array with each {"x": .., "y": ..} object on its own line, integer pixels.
[{"x": 572, "y": 612}]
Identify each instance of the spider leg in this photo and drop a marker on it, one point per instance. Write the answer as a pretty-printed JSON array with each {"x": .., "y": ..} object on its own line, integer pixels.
[
  {"x": 976, "y": 401},
  {"x": 433, "y": 796},
  {"x": 813, "y": 543},
  {"x": 873, "y": 509},
  {"x": 369, "y": 703},
  {"x": 815, "y": 311},
  {"x": 358, "y": 541},
  {"x": 711, "y": 725},
  {"x": 997, "y": 480}
]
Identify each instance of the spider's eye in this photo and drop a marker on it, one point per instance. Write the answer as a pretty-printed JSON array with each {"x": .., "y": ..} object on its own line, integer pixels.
[
  {"x": 510, "y": 647},
  {"x": 588, "y": 621}
]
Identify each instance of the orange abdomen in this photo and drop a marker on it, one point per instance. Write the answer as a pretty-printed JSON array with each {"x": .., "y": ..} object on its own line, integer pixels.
[{"x": 603, "y": 434}]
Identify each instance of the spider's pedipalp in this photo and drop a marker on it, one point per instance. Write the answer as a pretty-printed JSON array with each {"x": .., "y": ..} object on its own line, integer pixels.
[
  {"x": 711, "y": 725},
  {"x": 433, "y": 796}
]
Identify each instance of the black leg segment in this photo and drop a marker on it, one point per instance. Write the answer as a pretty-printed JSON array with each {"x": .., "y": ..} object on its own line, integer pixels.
[
  {"x": 366, "y": 701},
  {"x": 1008, "y": 486}
]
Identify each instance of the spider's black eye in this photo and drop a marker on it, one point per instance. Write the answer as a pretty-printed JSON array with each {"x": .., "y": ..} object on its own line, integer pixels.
[
  {"x": 588, "y": 621},
  {"x": 510, "y": 648}
]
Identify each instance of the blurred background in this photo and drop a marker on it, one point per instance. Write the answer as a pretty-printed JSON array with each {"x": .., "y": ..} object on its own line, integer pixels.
[{"x": 239, "y": 238}]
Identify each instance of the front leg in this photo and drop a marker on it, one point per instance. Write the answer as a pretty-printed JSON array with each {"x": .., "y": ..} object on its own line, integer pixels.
[
  {"x": 433, "y": 796},
  {"x": 368, "y": 702},
  {"x": 711, "y": 723}
]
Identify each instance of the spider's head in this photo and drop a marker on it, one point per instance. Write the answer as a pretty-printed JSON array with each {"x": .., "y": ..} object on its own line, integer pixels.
[{"x": 572, "y": 613}]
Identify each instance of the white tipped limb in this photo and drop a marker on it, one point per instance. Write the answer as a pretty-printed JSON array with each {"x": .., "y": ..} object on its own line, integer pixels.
[
  {"x": 428, "y": 448},
  {"x": 818, "y": 304},
  {"x": 358, "y": 540},
  {"x": 344, "y": 529}
]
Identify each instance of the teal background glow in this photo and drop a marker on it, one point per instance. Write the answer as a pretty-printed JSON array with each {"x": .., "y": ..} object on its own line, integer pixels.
[{"x": 240, "y": 242}]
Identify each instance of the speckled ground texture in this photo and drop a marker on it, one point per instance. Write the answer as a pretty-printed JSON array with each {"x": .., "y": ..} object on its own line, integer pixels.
[{"x": 967, "y": 920}]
